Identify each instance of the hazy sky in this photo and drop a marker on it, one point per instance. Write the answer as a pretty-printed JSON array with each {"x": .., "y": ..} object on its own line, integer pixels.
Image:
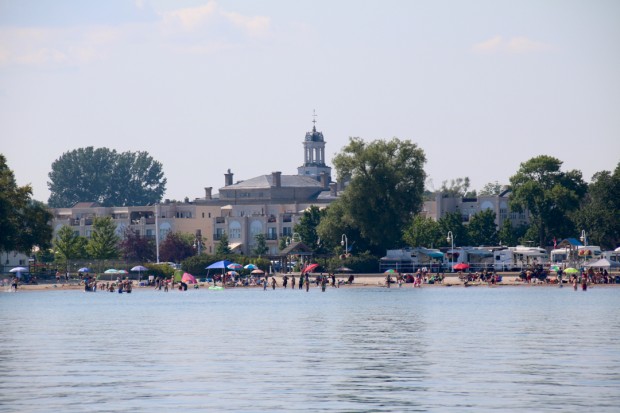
[{"x": 204, "y": 86}]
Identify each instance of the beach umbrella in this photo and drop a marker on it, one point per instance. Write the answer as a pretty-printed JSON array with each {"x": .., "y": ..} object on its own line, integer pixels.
[
  {"x": 251, "y": 267},
  {"x": 461, "y": 266},
  {"x": 19, "y": 269},
  {"x": 344, "y": 269},
  {"x": 219, "y": 264},
  {"x": 257, "y": 271},
  {"x": 390, "y": 271},
  {"x": 310, "y": 267},
  {"x": 84, "y": 269},
  {"x": 234, "y": 266},
  {"x": 188, "y": 278},
  {"x": 571, "y": 270},
  {"x": 111, "y": 271},
  {"x": 139, "y": 268},
  {"x": 121, "y": 272},
  {"x": 233, "y": 273},
  {"x": 554, "y": 268}
]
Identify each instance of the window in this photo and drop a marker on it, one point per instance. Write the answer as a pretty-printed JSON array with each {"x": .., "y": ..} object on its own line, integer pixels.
[
  {"x": 256, "y": 227},
  {"x": 234, "y": 230}
]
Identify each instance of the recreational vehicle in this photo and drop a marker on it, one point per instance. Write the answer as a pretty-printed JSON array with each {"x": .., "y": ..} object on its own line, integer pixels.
[
  {"x": 410, "y": 259},
  {"x": 576, "y": 253},
  {"x": 519, "y": 257}
]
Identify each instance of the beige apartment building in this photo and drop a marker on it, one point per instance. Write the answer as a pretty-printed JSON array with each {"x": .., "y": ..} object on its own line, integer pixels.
[
  {"x": 268, "y": 204},
  {"x": 468, "y": 207}
]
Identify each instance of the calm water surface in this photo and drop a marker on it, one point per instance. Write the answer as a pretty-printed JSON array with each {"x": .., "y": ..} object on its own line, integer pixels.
[{"x": 346, "y": 350}]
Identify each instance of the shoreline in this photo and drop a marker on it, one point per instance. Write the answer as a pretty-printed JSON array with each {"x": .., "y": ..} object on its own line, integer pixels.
[{"x": 361, "y": 281}]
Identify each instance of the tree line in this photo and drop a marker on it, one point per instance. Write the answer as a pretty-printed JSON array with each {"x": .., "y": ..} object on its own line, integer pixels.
[{"x": 380, "y": 208}]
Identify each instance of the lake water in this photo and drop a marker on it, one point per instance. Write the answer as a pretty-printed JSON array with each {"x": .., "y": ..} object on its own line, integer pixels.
[{"x": 433, "y": 349}]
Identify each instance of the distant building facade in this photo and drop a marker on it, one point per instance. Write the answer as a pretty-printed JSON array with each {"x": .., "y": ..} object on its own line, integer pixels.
[
  {"x": 468, "y": 207},
  {"x": 268, "y": 204}
]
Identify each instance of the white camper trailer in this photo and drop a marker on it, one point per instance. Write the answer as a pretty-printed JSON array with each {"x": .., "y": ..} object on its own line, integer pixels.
[{"x": 519, "y": 257}]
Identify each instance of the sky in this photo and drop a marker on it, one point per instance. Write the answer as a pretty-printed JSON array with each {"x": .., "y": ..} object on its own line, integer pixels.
[{"x": 207, "y": 86}]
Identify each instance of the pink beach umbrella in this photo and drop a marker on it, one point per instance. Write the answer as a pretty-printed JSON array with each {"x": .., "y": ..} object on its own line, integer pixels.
[{"x": 188, "y": 278}]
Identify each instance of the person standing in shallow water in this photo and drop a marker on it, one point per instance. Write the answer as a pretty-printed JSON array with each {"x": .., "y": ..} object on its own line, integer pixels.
[
  {"x": 301, "y": 281},
  {"x": 292, "y": 282},
  {"x": 307, "y": 282},
  {"x": 273, "y": 283}
]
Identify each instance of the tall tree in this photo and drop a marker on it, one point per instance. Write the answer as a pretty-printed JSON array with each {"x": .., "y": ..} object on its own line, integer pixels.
[
  {"x": 453, "y": 222},
  {"x": 68, "y": 245},
  {"x": 599, "y": 214},
  {"x": 458, "y": 187},
  {"x": 549, "y": 194},
  {"x": 423, "y": 232},
  {"x": 103, "y": 243},
  {"x": 24, "y": 223},
  {"x": 223, "y": 246},
  {"x": 261, "y": 247},
  {"x": 385, "y": 190},
  {"x": 105, "y": 176},
  {"x": 307, "y": 228},
  {"x": 482, "y": 229},
  {"x": 491, "y": 188}
]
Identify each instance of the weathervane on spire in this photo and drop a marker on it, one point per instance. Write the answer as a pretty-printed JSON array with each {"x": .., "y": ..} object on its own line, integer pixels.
[{"x": 314, "y": 116}]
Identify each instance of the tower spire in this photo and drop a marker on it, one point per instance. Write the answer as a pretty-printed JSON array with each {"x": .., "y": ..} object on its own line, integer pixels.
[{"x": 314, "y": 115}]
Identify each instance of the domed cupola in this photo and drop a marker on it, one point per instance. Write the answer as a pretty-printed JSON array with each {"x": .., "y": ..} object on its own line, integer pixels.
[{"x": 314, "y": 155}]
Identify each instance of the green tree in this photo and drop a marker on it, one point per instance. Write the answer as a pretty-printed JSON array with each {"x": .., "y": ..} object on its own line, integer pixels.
[
  {"x": 423, "y": 232},
  {"x": 24, "y": 223},
  {"x": 385, "y": 190},
  {"x": 307, "y": 228},
  {"x": 282, "y": 243},
  {"x": 223, "y": 246},
  {"x": 457, "y": 188},
  {"x": 453, "y": 222},
  {"x": 68, "y": 245},
  {"x": 334, "y": 225},
  {"x": 599, "y": 213},
  {"x": 261, "y": 247},
  {"x": 107, "y": 177},
  {"x": 482, "y": 229},
  {"x": 103, "y": 243},
  {"x": 507, "y": 235},
  {"x": 491, "y": 188},
  {"x": 548, "y": 194}
]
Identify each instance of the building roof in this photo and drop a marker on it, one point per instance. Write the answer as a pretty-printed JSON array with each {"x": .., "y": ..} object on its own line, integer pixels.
[
  {"x": 266, "y": 182},
  {"x": 86, "y": 205}
]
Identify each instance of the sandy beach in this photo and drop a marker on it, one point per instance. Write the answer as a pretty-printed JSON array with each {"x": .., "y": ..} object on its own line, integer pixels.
[{"x": 361, "y": 280}]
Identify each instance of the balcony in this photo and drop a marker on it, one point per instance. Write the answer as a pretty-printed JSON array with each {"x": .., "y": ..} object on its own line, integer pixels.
[{"x": 220, "y": 220}]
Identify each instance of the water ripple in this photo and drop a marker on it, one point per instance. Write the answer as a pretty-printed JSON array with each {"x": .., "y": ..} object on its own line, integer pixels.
[{"x": 346, "y": 350}]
